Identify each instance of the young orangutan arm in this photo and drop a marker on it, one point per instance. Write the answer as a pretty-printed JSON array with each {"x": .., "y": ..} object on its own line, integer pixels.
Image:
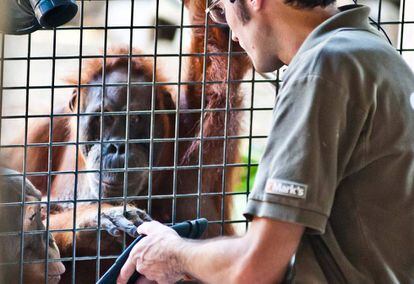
[{"x": 113, "y": 221}]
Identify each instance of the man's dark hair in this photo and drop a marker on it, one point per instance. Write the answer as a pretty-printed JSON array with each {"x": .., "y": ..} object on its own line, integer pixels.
[
  {"x": 309, "y": 4},
  {"x": 301, "y": 4}
]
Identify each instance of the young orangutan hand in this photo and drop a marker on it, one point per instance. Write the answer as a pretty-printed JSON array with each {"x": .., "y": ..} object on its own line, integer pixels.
[{"x": 114, "y": 220}]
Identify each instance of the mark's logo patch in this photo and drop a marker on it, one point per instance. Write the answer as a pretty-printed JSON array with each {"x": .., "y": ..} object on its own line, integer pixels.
[{"x": 286, "y": 188}]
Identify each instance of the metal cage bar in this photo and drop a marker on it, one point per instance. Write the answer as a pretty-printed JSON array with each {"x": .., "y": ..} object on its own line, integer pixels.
[
  {"x": 75, "y": 194},
  {"x": 255, "y": 81},
  {"x": 177, "y": 119},
  {"x": 26, "y": 122},
  {"x": 202, "y": 113},
  {"x": 101, "y": 144}
]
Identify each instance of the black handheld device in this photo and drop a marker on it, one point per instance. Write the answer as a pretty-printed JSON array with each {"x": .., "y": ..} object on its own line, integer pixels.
[
  {"x": 189, "y": 229},
  {"x": 26, "y": 16}
]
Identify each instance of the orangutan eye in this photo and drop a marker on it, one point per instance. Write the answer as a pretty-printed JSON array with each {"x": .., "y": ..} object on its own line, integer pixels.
[
  {"x": 31, "y": 218},
  {"x": 51, "y": 239},
  {"x": 109, "y": 119},
  {"x": 95, "y": 123}
]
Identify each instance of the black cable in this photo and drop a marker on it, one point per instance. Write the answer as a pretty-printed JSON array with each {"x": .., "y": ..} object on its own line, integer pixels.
[
  {"x": 372, "y": 21},
  {"x": 381, "y": 28}
]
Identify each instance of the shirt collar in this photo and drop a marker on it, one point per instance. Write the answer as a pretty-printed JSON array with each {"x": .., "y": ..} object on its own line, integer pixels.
[{"x": 350, "y": 16}]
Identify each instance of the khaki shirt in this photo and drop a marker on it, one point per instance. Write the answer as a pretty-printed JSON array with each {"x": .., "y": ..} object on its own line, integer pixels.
[{"x": 340, "y": 156}]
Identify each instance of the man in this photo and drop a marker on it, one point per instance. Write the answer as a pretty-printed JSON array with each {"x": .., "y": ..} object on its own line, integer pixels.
[{"x": 335, "y": 184}]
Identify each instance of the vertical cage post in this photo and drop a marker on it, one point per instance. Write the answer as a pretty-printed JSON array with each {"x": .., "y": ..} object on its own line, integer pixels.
[
  {"x": 202, "y": 113},
  {"x": 177, "y": 119},
  {"x": 225, "y": 134},
  {"x": 101, "y": 143},
  {"x": 127, "y": 121},
  {"x": 379, "y": 14},
  {"x": 50, "y": 153},
  {"x": 249, "y": 154},
  {"x": 2, "y": 38},
  {"x": 75, "y": 194},
  {"x": 26, "y": 129},
  {"x": 402, "y": 24},
  {"x": 153, "y": 107}
]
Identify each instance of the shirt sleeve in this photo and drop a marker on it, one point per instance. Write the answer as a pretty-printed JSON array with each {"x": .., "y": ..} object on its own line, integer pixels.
[{"x": 315, "y": 127}]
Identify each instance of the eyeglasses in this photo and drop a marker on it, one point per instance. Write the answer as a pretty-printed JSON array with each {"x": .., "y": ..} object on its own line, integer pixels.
[{"x": 216, "y": 12}]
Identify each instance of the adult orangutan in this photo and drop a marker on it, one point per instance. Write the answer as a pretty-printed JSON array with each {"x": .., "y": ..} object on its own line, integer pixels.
[
  {"x": 96, "y": 151},
  {"x": 217, "y": 97}
]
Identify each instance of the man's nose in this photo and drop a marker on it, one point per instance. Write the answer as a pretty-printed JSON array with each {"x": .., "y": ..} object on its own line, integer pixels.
[{"x": 234, "y": 38}]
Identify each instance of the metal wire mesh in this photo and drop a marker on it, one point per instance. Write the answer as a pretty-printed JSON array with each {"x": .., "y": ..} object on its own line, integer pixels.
[{"x": 30, "y": 75}]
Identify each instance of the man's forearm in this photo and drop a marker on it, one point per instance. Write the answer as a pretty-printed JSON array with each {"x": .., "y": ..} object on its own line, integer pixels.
[
  {"x": 223, "y": 256},
  {"x": 261, "y": 255}
]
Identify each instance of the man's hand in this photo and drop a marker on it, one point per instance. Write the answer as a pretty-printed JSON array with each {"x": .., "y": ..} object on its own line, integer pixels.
[
  {"x": 155, "y": 256},
  {"x": 262, "y": 253}
]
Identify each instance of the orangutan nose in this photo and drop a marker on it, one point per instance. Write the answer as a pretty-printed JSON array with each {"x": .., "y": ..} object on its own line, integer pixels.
[{"x": 118, "y": 149}]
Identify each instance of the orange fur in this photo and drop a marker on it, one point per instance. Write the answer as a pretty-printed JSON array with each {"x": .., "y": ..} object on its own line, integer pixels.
[{"x": 216, "y": 97}]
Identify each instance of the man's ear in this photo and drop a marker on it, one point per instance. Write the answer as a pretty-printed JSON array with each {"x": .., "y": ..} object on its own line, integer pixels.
[
  {"x": 73, "y": 101},
  {"x": 256, "y": 5}
]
